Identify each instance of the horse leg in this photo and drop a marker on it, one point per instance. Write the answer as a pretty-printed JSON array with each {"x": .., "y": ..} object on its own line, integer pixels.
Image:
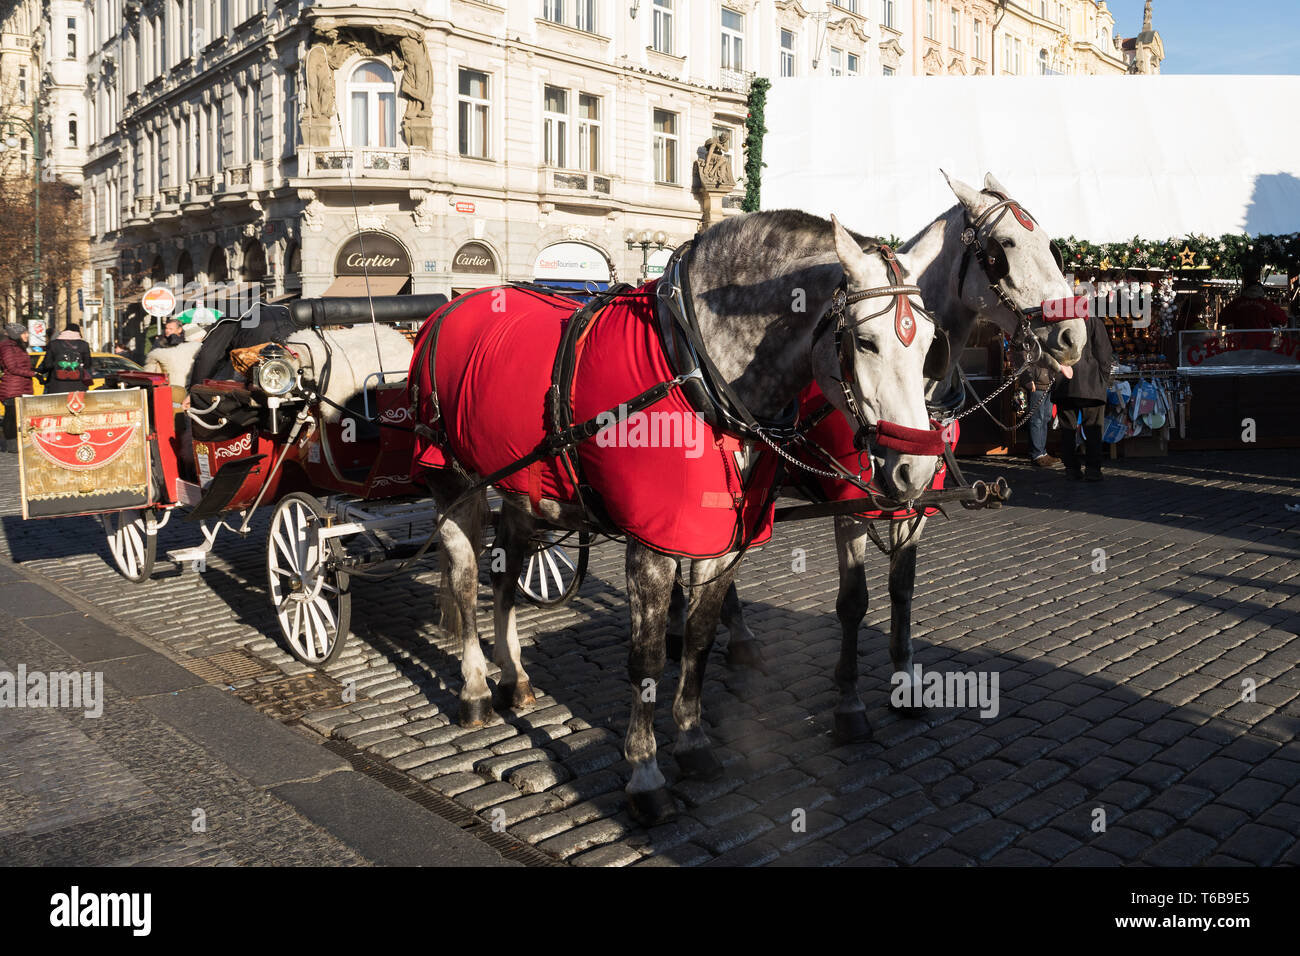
[
  {"x": 514, "y": 537},
  {"x": 649, "y": 585},
  {"x": 743, "y": 650},
  {"x": 676, "y": 620},
  {"x": 902, "y": 584},
  {"x": 693, "y": 750},
  {"x": 460, "y": 542},
  {"x": 850, "y": 606}
]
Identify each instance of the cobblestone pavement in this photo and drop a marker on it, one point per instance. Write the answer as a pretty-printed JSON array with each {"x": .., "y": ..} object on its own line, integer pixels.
[{"x": 1121, "y": 689}]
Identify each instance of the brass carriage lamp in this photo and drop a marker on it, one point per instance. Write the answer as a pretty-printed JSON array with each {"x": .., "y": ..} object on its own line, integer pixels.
[{"x": 644, "y": 240}]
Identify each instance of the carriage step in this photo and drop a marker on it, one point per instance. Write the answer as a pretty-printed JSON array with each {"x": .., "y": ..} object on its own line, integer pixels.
[{"x": 195, "y": 556}]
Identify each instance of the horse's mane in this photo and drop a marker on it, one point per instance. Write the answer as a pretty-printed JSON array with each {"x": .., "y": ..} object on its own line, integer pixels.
[{"x": 783, "y": 235}]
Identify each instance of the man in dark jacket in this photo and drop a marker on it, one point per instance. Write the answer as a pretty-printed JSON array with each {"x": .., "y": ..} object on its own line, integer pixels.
[
  {"x": 67, "y": 363},
  {"x": 1037, "y": 383},
  {"x": 1082, "y": 399},
  {"x": 18, "y": 374},
  {"x": 173, "y": 333}
]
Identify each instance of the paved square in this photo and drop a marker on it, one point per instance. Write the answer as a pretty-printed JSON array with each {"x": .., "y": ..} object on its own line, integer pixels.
[{"x": 1125, "y": 621}]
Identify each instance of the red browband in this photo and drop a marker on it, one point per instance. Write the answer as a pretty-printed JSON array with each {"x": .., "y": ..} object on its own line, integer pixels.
[{"x": 910, "y": 441}]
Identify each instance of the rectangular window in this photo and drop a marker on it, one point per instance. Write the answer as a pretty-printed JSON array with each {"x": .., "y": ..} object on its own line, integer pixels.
[
  {"x": 553, "y": 10},
  {"x": 72, "y": 38},
  {"x": 663, "y": 26},
  {"x": 931, "y": 26},
  {"x": 850, "y": 5},
  {"x": 956, "y": 29},
  {"x": 1042, "y": 9},
  {"x": 787, "y": 53},
  {"x": 22, "y": 85},
  {"x": 733, "y": 40},
  {"x": 837, "y": 62},
  {"x": 256, "y": 131},
  {"x": 473, "y": 104},
  {"x": 1020, "y": 57},
  {"x": 589, "y": 132},
  {"x": 852, "y": 68},
  {"x": 977, "y": 35},
  {"x": 290, "y": 113},
  {"x": 555, "y": 126},
  {"x": 585, "y": 18},
  {"x": 887, "y": 71},
  {"x": 665, "y": 147},
  {"x": 887, "y": 13},
  {"x": 1006, "y": 53}
]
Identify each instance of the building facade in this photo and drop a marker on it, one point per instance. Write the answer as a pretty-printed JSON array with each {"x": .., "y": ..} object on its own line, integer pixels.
[{"x": 455, "y": 144}]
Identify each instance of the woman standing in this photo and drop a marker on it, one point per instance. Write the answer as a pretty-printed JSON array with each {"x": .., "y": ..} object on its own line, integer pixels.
[
  {"x": 17, "y": 380},
  {"x": 67, "y": 363}
]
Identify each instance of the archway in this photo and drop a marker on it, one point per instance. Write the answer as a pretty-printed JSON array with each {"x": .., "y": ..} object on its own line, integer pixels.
[{"x": 217, "y": 271}]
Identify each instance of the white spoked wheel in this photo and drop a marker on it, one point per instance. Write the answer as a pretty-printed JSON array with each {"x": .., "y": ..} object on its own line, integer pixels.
[
  {"x": 310, "y": 597},
  {"x": 555, "y": 570},
  {"x": 133, "y": 542}
]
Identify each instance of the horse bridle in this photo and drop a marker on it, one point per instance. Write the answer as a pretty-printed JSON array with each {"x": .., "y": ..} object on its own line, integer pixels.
[
  {"x": 867, "y": 433},
  {"x": 997, "y": 275}
]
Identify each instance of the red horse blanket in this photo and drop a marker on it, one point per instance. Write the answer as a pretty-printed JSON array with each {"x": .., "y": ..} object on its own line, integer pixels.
[
  {"x": 664, "y": 475},
  {"x": 835, "y": 436}
]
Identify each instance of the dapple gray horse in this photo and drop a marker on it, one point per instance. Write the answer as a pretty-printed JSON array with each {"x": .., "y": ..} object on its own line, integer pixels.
[
  {"x": 748, "y": 278},
  {"x": 1019, "y": 250}
]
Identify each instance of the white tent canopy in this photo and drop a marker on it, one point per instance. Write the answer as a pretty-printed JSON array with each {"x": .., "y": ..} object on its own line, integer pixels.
[{"x": 1099, "y": 158}]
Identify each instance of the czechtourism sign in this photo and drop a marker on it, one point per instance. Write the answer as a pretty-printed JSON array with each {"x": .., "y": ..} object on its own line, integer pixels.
[
  {"x": 372, "y": 253},
  {"x": 571, "y": 261}
]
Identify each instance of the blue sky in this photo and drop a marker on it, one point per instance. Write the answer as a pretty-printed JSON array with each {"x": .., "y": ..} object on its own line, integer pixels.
[{"x": 1210, "y": 36}]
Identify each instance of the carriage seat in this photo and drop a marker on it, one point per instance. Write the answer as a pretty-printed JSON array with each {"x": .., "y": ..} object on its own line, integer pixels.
[{"x": 234, "y": 410}]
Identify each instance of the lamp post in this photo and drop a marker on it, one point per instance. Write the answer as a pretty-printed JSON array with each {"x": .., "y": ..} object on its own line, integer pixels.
[
  {"x": 644, "y": 241},
  {"x": 10, "y": 141}
]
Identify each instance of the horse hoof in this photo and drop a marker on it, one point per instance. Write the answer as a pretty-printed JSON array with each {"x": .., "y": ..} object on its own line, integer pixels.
[
  {"x": 746, "y": 654},
  {"x": 700, "y": 763},
  {"x": 514, "y": 696},
  {"x": 474, "y": 713},
  {"x": 652, "y": 807},
  {"x": 851, "y": 727},
  {"x": 912, "y": 713},
  {"x": 673, "y": 644}
]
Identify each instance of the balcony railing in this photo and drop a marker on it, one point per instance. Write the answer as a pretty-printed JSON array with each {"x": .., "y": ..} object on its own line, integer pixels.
[
  {"x": 736, "y": 80},
  {"x": 201, "y": 186},
  {"x": 144, "y": 204},
  {"x": 237, "y": 178},
  {"x": 574, "y": 180},
  {"x": 171, "y": 195},
  {"x": 362, "y": 159}
]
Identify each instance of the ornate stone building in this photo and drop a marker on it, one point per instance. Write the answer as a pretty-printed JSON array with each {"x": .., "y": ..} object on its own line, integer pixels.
[{"x": 447, "y": 144}]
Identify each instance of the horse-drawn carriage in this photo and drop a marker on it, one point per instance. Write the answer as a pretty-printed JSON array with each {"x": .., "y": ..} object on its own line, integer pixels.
[{"x": 331, "y": 462}]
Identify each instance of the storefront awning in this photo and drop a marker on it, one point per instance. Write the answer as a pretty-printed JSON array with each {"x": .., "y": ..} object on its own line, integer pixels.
[{"x": 356, "y": 285}]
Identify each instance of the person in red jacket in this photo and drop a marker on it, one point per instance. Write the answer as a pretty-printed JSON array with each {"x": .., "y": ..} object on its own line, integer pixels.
[{"x": 17, "y": 380}]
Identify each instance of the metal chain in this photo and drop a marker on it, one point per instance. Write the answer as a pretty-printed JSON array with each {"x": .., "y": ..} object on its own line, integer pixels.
[{"x": 795, "y": 461}]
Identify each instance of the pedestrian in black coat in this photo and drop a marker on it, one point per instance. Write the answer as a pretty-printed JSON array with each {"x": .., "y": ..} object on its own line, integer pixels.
[
  {"x": 1082, "y": 399},
  {"x": 67, "y": 365}
]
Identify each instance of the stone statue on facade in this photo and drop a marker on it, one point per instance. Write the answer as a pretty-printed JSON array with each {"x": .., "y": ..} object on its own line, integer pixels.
[{"x": 714, "y": 178}]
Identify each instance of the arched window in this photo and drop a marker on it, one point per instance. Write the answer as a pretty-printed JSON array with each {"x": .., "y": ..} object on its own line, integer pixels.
[
  {"x": 372, "y": 106},
  {"x": 72, "y": 131},
  {"x": 1042, "y": 62}
]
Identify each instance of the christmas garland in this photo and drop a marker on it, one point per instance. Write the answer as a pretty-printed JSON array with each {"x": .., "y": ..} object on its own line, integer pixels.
[
  {"x": 754, "y": 132},
  {"x": 1224, "y": 257}
]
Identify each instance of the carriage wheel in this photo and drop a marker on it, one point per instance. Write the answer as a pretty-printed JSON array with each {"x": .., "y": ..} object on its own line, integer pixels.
[
  {"x": 311, "y": 598},
  {"x": 551, "y": 577},
  {"x": 133, "y": 542}
]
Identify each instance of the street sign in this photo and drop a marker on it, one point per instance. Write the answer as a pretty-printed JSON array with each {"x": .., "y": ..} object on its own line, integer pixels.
[
  {"x": 92, "y": 302},
  {"x": 35, "y": 334},
  {"x": 159, "y": 301},
  {"x": 466, "y": 207}
]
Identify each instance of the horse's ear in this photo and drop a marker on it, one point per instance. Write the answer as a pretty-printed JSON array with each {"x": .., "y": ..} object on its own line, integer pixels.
[
  {"x": 851, "y": 256},
  {"x": 992, "y": 185},
  {"x": 968, "y": 195}
]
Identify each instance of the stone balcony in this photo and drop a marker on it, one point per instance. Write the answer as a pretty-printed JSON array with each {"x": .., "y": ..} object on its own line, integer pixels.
[
  {"x": 556, "y": 184},
  {"x": 363, "y": 162},
  {"x": 201, "y": 186},
  {"x": 737, "y": 81}
]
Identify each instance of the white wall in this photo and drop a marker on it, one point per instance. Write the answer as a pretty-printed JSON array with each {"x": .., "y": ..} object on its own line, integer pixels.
[{"x": 1101, "y": 158}]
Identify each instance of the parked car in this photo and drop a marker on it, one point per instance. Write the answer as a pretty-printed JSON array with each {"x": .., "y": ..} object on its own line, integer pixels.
[{"x": 105, "y": 366}]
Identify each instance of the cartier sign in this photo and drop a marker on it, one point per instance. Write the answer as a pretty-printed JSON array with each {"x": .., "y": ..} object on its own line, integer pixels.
[
  {"x": 474, "y": 257},
  {"x": 372, "y": 253}
]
